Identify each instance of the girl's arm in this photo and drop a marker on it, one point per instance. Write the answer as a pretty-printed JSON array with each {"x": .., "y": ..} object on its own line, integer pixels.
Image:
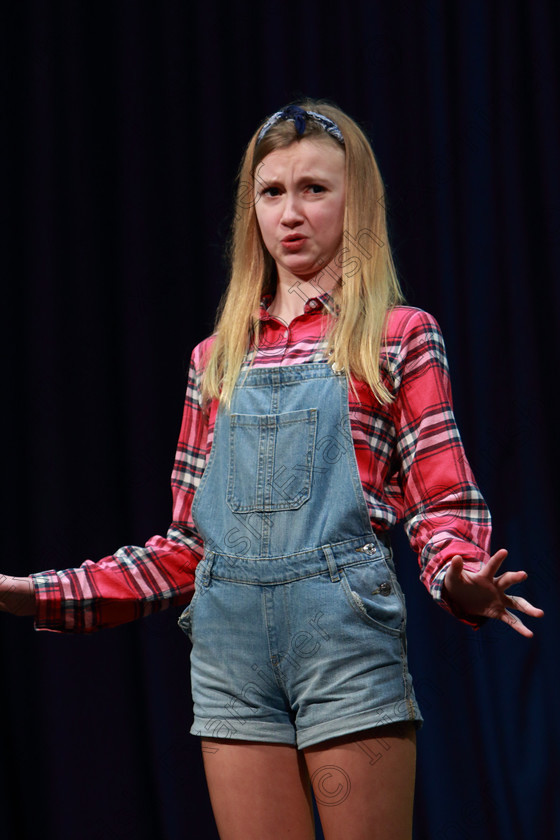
[
  {"x": 136, "y": 580},
  {"x": 445, "y": 515}
]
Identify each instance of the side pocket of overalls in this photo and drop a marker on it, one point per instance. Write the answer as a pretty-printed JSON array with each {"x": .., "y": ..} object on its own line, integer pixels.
[
  {"x": 374, "y": 593},
  {"x": 185, "y": 619}
]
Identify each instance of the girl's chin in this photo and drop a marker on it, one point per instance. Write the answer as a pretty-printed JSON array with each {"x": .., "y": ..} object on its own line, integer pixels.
[{"x": 304, "y": 271}]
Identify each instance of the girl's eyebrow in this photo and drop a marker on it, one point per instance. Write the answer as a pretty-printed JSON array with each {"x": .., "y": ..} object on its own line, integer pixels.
[{"x": 306, "y": 177}]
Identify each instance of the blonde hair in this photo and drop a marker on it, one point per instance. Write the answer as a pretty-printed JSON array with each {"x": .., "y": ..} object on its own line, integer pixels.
[{"x": 368, "y": 286}]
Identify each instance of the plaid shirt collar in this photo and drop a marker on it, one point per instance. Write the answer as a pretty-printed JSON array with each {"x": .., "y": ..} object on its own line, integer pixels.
[{"x": 313, "y": 305}]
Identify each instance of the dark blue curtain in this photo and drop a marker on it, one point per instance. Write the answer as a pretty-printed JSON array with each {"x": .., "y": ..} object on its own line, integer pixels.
[{"x": 122, "y": 127}]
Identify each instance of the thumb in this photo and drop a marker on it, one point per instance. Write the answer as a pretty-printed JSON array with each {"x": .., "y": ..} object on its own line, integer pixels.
[{"x": 456, "y": 567}]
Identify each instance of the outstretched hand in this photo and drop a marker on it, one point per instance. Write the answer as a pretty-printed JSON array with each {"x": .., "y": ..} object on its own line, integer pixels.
[
  {"x": 481, "y": 593},
  {"x": 17, "y": 595}
]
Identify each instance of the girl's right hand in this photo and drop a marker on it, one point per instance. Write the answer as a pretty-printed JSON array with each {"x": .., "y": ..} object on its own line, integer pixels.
[{"x": 17, "y": 595}]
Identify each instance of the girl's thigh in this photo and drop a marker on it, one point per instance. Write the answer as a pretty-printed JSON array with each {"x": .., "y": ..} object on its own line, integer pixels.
[
  {"x": 258, "y": 791},
  {"x": 364, "y": 783}
]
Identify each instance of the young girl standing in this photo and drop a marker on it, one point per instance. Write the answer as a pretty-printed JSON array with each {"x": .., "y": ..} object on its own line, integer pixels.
[{"x": 317, "y": 416}]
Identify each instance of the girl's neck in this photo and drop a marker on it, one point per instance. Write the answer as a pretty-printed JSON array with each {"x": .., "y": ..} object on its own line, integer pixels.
[{"x": 292, "y": 293}]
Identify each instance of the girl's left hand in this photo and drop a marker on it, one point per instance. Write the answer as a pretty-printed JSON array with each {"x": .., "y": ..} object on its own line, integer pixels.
[{"x": 480, "y": 593}]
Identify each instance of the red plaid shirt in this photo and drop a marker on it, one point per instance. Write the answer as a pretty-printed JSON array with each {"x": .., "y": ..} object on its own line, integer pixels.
[{"x": 410, "y": 460}]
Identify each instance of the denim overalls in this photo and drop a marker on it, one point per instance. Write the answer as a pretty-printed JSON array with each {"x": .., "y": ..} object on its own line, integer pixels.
[{"x": 297, "y": 621}]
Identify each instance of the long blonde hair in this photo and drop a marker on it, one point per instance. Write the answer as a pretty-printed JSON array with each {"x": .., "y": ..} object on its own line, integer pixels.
[{"x": 368, "y": 285}]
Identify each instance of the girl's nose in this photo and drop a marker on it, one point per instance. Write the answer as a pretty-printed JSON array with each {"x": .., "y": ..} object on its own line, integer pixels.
[{"x": 291, "y": 211}]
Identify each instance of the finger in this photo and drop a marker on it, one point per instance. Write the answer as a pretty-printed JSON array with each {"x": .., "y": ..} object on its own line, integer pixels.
[
  {"x": 455, "y": 568},
  {"x": 525, "y": 606},
  {"x": 510, "y": 578},
  {"x": 516, "y": 624},
  {"x": 491, "y": 567}
]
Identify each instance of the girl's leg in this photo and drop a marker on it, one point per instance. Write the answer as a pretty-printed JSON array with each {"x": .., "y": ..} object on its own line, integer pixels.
[
  {"x": 364, "y": 783},
  {"x": 258, "y": 790}
]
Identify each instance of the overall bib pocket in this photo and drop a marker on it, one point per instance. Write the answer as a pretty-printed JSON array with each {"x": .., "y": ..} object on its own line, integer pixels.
[{"x": 271, "y": 460}]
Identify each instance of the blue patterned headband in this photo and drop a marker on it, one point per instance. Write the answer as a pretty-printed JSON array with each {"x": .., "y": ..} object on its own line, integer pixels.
[{"x": 295, "y": 114}]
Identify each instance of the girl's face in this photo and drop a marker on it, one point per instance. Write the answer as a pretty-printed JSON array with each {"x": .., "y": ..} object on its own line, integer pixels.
[{"x": 299, "y": 202}]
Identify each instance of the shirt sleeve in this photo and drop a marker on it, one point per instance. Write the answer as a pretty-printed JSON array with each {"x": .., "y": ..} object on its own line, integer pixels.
[
  {"x": 136, "y": 580},
  {"x": 444, "y": 512}
]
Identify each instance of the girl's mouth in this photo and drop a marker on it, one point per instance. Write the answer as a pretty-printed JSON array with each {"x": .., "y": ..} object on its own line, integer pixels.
[{"x": 293, "y": 242}]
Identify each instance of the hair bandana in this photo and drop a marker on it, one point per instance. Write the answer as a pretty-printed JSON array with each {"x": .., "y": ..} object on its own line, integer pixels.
[{"x": 297, "y": 115}]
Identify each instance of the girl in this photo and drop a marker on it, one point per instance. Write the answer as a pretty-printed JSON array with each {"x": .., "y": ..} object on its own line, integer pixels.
[{"x": 317, "y": 415}]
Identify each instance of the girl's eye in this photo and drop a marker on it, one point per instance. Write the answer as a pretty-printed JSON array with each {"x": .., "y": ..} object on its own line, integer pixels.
[
  {"x": 316, "y": 188},
  {"x": 271, "y": 191}
]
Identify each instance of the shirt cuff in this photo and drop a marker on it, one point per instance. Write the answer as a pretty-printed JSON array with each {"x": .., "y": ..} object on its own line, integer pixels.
[{"x": 48, "y": 601}]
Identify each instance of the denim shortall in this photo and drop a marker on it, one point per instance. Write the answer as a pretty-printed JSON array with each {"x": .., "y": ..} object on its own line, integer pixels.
[{"x": 297, "y": 621}]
